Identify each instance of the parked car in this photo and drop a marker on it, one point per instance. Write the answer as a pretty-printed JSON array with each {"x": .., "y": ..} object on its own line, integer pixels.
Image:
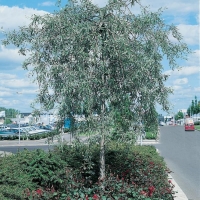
[
  {"x": 162, "y": 123},
  {"x": 6, "y": 133},
  {"x": 16, "y": 131},
  {"x": 31, "y": 130},
  {"x": 3, "y": 127},
  {"x": 39, "y": 130},
  {"x": 47, "y": 127}
]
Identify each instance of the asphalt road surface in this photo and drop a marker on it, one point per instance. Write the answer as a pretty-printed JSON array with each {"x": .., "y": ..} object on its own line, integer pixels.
[
  {"x": 181, "y": 151},
  {"x": 15, "y": 149}
]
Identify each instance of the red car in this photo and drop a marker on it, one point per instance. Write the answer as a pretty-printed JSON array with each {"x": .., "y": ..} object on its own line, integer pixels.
[{"x": 189, "y": 124}]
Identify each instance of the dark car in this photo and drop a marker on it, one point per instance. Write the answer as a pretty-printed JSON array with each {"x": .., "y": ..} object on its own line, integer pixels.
[
  {"x": 47, "y": 127},
  {"x": 6, "y": 133}
]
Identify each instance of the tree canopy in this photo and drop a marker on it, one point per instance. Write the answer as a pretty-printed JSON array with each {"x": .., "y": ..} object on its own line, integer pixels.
[
  {"x": 194, "y": 108},
  {"x": 100, "y": 59},
  {"x": 179, "y": 115},
  {"x": 9, "y": 112}
]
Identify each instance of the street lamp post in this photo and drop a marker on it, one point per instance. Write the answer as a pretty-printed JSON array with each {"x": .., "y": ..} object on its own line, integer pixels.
[
  {"x": 19, "y": 122},
  {"x": 19, "y": 128}
]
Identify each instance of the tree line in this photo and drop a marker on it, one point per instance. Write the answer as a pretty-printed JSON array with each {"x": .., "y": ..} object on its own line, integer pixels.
[
  {"x": 194, "y": 108},
  {"x": 9, "y": 113}
]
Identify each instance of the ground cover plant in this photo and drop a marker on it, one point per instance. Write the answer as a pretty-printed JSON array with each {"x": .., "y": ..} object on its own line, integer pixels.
[{"x": 72, "y": 172}]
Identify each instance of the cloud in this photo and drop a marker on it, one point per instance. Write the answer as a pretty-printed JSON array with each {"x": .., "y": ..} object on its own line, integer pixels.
[
  {"x": 178, "y": 6},
  {"x": 7, "y": 76},
  {"x": 174, "y": 7},
  {"x": 181, "y": 81},
  {"x": 198, "y": 17},
  {"x": 47, "y": 3},
  {"x": 13, "y": 17},
  {"x": 8, "y": 56},
  {"x": 190, "y": 33},
  {"x": 184, "y": 71},
  {"x": 22, "y": 104},
  {"x": 12, "y": 81},
  {"x": 16, "y": 83},
  {"x": 6, "y": 103},
  {"x": 176, "y": 87},
  {"x": 194, "y": 58},
  {"x": 100, "y": 3},
  {"x": 5, "y": 93}
]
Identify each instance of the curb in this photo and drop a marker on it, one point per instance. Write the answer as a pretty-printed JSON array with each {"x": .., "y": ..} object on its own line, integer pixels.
[{"x": 179, "y": 194}]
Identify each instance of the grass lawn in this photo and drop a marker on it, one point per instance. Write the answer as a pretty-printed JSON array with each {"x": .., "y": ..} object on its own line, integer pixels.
[{"x": 197, "y": 127}]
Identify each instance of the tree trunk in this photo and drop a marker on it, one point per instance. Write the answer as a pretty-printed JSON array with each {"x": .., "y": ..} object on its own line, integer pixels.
[
  {"x": 102, "y": 157},
  {"x": 102, "y": 144}
]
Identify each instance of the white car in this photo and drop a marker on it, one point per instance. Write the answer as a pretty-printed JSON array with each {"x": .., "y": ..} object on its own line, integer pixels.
[{"x": 162, "y": 123}]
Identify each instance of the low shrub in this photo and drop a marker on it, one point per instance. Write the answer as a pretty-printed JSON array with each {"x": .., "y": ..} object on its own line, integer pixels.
[
  {"x": 133, "y": 169},
  {"x": 29, "y": 169},
  {"x": 151, "y": 135},
  {"x": 72, "y": 172},
  {"x": 197, "y": 123}
]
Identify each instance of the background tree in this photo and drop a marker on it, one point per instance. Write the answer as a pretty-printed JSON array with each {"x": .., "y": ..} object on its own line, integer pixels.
[
  {"x": 192, "y": 108},
  {"x": 9, "y": 112},
  {"x": 196, "y": 106},
  {"x": 179, "y": 115},
  {"x": 92, "y": 57}
]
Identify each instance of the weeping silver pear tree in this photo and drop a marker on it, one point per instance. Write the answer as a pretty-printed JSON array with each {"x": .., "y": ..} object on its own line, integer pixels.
[{"x": 100, "y": 59}]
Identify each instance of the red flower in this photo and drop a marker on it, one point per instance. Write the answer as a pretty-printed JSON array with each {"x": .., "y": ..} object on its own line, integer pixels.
[
  {"x": 95, "y": 196},
  {"x": 86, "y": 197},
  {"x": 151, "y": 190},
  {"x": 39, "y": 191}
]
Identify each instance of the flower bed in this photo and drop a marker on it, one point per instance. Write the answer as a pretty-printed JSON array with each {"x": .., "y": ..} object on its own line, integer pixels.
[{"x": 132, "y": 172}]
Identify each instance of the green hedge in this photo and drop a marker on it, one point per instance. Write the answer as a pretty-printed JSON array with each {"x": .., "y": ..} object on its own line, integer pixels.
[{"x": 197, "y": 123}]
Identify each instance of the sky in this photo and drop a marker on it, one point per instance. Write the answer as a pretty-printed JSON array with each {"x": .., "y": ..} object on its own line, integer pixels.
[{"x": 17, "y": 90}]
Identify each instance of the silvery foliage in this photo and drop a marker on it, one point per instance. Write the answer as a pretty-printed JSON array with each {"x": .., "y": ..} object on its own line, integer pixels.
[{"x": 90, "y": 59}]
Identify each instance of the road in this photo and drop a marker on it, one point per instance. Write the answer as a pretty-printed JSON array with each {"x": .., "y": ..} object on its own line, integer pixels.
[
  {"x": 181, "y": 151},
  {"x": 13, "y": 146},
  {"x": 15, "y": 149}
]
